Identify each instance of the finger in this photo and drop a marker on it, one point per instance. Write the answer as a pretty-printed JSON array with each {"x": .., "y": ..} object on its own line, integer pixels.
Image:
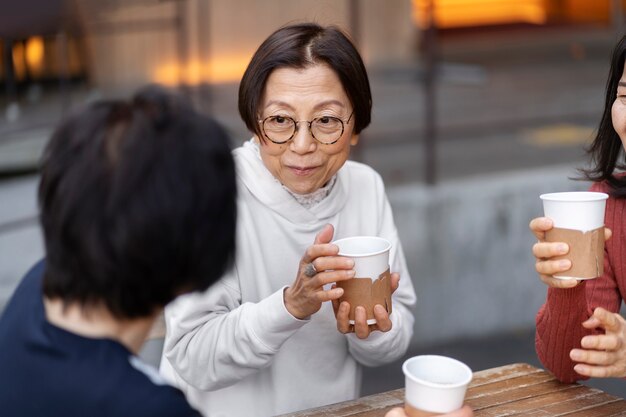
[
  {"x": 598, "y": 371},
  {"x": 319, "y": 250},
  {"x": 396, "y": 412},
  {"x": 592, "y": 357},
  {"x": 395, "y": 282},
  {"x": 328, "y": 277},
  {"x": 547, "y": 269},
  {"x": 466, "y": 411},
  {"x": 335, "y": 302},
  {"x": 328, "y": 295},
  {"x": 324, "y": 263},
  {"x": 601, "y": 342},
  {"x": 608, "y": 320},
  {"x": 553, "y": 267},
  {"x": 343, "y": 317},
  {"x": 591, "y": 323},
  {"x": 383, "y": 322},
  {"x": 561, "y": 283},
  {"x": 549, "y": 249},
  {"x": 325, "y": 235},
  {"x": 361, "y": 328},
  {"x": 539, "y": 226},
  {"x": 607, "y": 233}
]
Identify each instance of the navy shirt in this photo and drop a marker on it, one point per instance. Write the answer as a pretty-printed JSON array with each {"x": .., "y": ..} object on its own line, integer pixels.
[{"x": 48, "y": 371}]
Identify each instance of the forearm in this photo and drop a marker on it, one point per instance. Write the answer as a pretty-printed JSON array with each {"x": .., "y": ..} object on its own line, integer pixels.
[
  {"x": 214, "y": 349},
  {"x": 559, "y": 330}
]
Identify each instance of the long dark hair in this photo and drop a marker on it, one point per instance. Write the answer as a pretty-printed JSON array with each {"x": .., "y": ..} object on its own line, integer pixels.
[{"x": 606, "y": 150}]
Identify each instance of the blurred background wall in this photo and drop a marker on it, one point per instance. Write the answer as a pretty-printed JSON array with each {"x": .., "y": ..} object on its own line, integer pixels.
[{"x": 118, "y": 45}]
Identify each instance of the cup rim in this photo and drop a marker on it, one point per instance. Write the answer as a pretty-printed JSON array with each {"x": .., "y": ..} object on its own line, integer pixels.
[
  {"x": 362, "y": 255},
  {"x": 431, "y": 384},
  {"x": 574, "y": 196}
]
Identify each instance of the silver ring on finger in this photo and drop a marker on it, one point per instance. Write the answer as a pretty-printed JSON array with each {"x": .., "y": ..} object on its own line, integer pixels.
[{"x": 309, "y": 270}]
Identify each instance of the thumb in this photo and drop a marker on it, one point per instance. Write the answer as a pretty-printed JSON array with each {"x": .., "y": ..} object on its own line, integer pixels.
[
  {"x": 325, "y": 235},
  {"x": 395, "y": 282},
  {"x": 608, "y": 320}
]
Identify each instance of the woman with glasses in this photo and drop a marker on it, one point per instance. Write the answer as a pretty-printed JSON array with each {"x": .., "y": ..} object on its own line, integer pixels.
[{"x": 271, "y": 337}]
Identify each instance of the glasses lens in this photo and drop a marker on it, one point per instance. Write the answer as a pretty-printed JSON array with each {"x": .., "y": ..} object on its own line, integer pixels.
[
  {"x": 279, "y": 128},
  {"x": 327, "y": 129}
]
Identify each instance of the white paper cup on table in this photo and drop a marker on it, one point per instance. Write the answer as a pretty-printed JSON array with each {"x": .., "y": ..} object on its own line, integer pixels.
[
  {"x": 434, "y": 385},
  {"x": 578, "y": 219},
  {"x": 371, "y": 284}
]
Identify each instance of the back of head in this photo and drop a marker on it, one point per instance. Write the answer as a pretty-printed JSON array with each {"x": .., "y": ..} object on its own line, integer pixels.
[
  {"x": 137, "y": 204},
  {"x": 299, "y": 46}
]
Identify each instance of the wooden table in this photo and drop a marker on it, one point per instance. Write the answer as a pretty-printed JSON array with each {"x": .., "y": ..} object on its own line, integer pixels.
[{"x": 519, "y": 389}]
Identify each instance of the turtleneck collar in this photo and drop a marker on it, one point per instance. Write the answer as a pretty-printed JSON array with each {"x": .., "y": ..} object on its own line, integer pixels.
[{"x": 305, "y": 200}]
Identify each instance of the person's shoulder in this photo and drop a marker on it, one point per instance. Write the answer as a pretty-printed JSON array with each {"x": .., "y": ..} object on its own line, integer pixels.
[
  {"x": 602, "y": 186},
  {"x": 161, "y": 401},
  {"x": 147, "y": 393},
  {"x": 34, "y": 275},
  {"x": 362, "y": 172},
  {"x": 245, "y": 148},
  {"x": 26, "y": 296}
]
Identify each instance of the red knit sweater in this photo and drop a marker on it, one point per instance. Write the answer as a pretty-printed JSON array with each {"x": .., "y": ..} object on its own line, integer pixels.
[{"x": 559, "y": 327}]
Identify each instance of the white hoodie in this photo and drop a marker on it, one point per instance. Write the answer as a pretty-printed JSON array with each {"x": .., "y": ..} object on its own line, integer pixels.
[{"x": 235, "y": 350}]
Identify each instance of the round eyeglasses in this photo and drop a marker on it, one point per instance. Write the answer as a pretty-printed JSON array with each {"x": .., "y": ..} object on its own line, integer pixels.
[{"x": 325, "y": 129}]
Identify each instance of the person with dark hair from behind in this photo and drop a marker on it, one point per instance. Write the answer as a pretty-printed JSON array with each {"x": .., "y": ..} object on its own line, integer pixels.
[{"x": 137, "y": 203}]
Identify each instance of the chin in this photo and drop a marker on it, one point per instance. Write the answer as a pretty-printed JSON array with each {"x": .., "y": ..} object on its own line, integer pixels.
[{"x": 302, "y": 190}]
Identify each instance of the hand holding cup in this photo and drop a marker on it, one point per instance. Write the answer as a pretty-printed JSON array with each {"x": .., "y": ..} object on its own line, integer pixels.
[
  {"x": 319, "y": 266},
  {"x": 570, "y": 238},
  {"x": 366, "y": 303},
  {"x": 466, "y": 411},
  {"x": 359, "y": 325}
]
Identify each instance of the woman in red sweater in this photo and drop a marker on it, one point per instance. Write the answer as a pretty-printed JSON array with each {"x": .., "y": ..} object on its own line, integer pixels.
[{"x": 580, "y": 333}]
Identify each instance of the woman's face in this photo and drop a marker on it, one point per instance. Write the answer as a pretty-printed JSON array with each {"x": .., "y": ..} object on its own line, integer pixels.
[
  {"x": 618, "y": 111},
  {"x": 304, "y": 165}
]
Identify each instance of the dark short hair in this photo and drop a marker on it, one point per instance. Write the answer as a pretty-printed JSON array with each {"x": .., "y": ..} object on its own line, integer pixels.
[
  {"x": 300, "y": 46},
  {"x": 138, "y": 204},
  {"x": 606, "y": 150}
]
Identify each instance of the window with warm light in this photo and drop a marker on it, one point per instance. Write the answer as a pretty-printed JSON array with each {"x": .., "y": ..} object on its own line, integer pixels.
[{"x": 464, "y": 13}]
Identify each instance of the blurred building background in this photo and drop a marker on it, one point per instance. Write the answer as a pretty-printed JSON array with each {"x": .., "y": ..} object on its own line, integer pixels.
[{"x": 479, "y": 106}]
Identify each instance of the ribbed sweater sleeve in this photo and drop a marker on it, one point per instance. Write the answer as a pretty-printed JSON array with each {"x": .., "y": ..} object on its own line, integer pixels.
[{"x": 559, "y": 320}]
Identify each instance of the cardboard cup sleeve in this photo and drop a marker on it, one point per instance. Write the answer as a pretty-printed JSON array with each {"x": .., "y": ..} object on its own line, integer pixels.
[
  {"x": 367, "y": 293},
  {"x": 586, "y": 251}
]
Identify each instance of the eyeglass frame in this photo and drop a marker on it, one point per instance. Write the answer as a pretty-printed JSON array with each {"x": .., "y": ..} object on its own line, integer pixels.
[{"x": 310, "y": 122}]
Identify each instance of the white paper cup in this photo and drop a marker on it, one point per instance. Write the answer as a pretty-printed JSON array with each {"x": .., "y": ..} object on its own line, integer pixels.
[
  {"x": 434, "y": 384},
  {"x": 582, "y": 210},
  {"x": 370, "y": 255}
]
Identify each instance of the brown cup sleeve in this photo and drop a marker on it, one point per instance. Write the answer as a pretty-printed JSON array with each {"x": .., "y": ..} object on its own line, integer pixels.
[
  {"x": 364, "y": 292},
  {"x": 586, "y": 251}
]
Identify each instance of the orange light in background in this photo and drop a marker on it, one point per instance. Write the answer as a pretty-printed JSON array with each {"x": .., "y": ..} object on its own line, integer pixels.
[
  {"x": 167, "y": 74},
  {"x": 231, "y": 68},
  {"x": 34, "y": 55},
  {"x": 219, "y": 70},
  {"x": 463, "y": 13},
  {"x": 19, "y": 64}
]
